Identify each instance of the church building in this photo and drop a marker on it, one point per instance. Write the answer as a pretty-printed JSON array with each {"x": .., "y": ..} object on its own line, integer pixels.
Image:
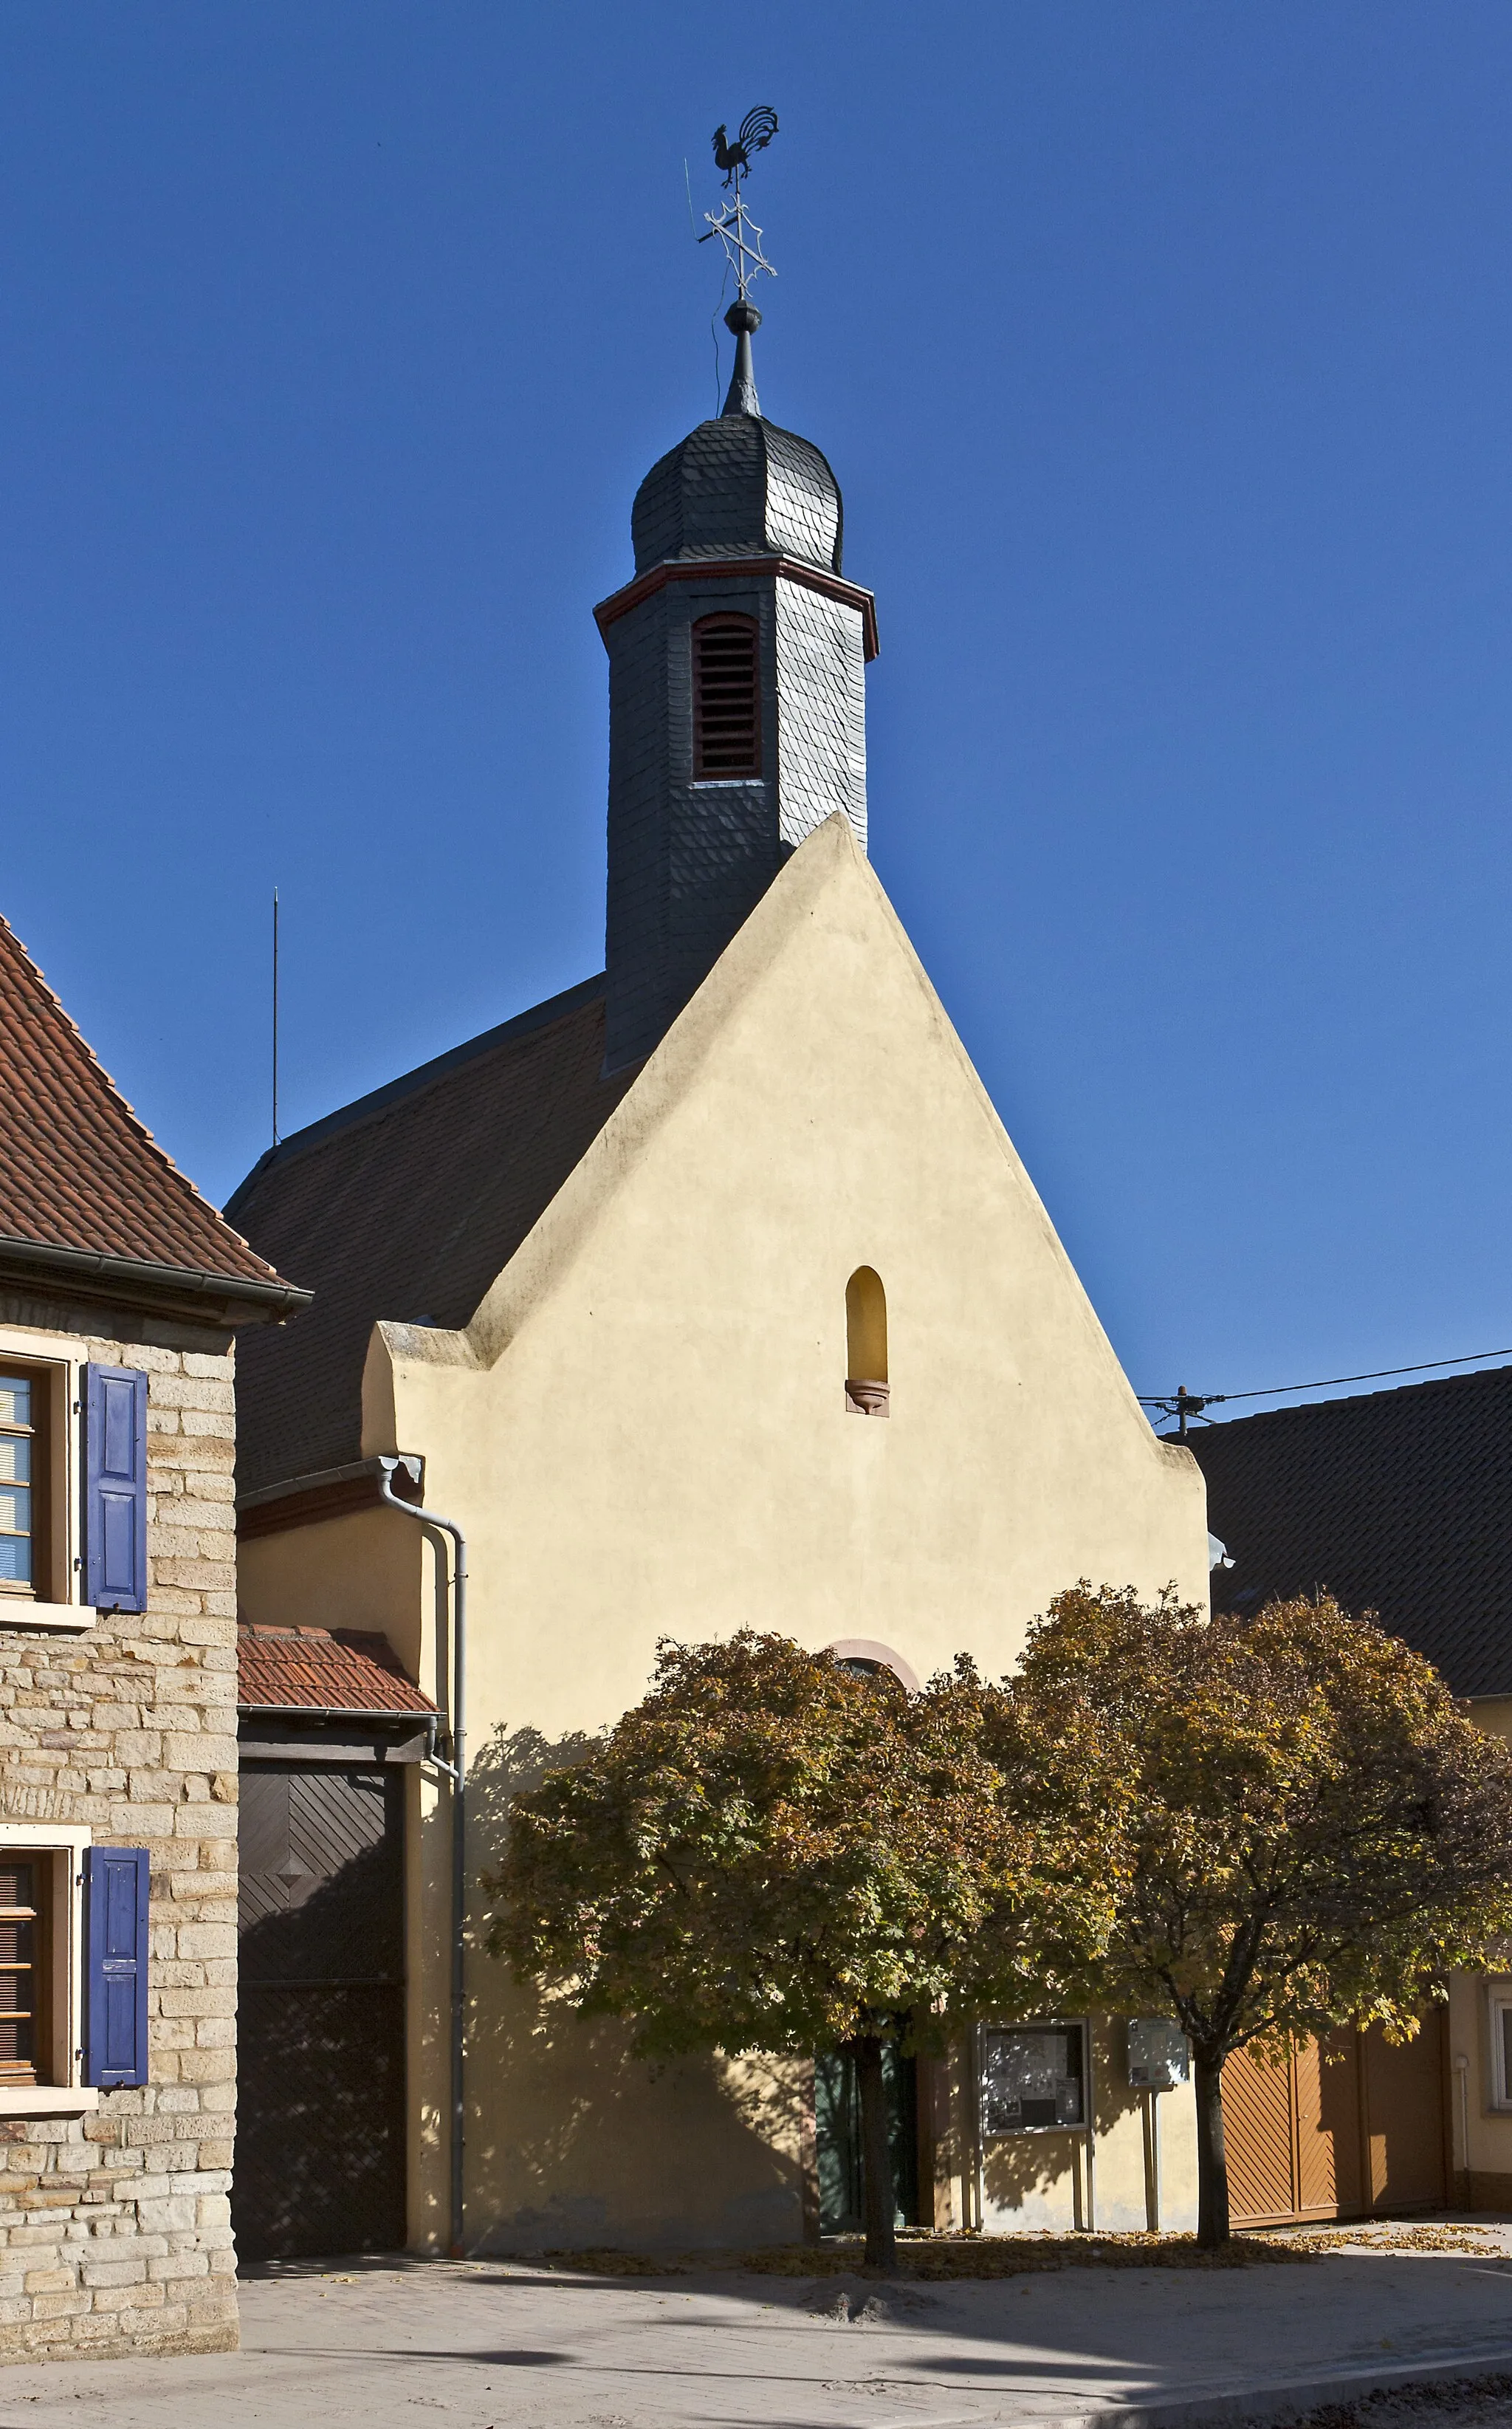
[{"x": 709, "y": 1293}]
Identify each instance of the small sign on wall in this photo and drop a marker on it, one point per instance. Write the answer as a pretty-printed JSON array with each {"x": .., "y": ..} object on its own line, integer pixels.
[{"x": 1159, "y": 2058}]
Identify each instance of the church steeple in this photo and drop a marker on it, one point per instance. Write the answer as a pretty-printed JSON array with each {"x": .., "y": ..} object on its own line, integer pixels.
[{"x": 737, "y": 714}]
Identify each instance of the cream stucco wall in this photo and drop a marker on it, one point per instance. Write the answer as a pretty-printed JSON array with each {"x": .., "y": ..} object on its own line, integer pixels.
[
  {"x": 644, "y": 1433},
  {"x": 1143, "y": 2161},
  {"x": 1482, "y": 2125}
]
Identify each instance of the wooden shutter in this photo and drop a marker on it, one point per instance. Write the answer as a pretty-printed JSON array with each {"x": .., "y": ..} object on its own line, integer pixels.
[
  {"x": 115, "y": 1488},
  {"x": 115, "y": 1990},
  {"x": 727, "y": 705}
]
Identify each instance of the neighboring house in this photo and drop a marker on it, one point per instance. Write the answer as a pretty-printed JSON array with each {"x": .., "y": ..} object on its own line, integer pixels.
[
  {"x": 118, "y": 1290},
  {"x": 710, "y": 1293},
  {"x": 1396, "y": 1503}
]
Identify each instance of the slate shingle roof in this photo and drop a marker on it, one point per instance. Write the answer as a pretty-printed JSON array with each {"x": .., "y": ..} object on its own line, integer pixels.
[
  {"x": 78, "y": 1171},
  {"x": 407, "y": 1205},
  {"x": 1399, "y": 1502},
  {"x": 739, "y": 486},
  {"x": 322, "y": 1669}
]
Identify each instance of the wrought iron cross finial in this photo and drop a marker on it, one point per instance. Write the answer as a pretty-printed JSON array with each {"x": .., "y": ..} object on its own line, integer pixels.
[{"x": 731, "y": 224}]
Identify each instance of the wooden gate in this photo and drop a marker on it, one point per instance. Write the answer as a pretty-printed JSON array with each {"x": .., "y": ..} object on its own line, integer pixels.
[
  {"x": 320, "y": 2158},
  {"x": 1343, "y": 2128}
]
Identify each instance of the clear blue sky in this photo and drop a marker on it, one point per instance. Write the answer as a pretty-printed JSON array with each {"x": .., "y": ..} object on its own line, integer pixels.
[{"x": 1165, "y": 354}]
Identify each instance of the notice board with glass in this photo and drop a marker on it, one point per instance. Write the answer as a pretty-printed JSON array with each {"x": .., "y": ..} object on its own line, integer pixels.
[{"x": 1033, "y": 2078}]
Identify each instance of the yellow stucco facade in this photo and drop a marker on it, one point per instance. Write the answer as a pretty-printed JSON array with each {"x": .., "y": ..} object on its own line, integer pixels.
[
  {"x": 1480, "y": 2051},
  {"x": 645, "y": 1431}
]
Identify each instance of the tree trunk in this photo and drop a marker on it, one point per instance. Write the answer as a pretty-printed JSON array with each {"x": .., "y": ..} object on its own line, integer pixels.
[
  {"x": 876, "y": 2152},
  {"x": 1212, "y": 2162}
]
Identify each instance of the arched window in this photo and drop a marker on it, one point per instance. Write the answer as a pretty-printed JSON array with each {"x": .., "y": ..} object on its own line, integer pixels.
[
  {"x": 866, "y": 1387},
  {"x": 864, "y": 1657},
  {"x": 727, "y": 698}
]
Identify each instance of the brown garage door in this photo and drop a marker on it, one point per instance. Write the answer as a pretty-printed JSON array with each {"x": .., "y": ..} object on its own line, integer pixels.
[
  {"x": 319, "y": 2153},
  {"x": 1342, "y": 2128}
]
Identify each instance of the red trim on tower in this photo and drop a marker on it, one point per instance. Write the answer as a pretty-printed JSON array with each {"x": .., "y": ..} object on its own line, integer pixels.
[{"x": 723, "y": 568}]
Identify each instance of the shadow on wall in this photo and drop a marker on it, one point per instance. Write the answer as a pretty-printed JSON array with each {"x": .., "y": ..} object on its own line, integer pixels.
[
  {"x": 512, "y": 1763},
  {"x": 573, "y": 2142}
]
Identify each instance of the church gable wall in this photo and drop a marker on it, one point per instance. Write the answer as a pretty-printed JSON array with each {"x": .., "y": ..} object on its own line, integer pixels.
[
  {"x": 659, "y": 1439},
  {"x": 647, "y": 1433}
]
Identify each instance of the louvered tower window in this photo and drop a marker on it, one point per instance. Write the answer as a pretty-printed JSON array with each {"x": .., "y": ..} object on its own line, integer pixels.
[{"x": 727, "y": 708}]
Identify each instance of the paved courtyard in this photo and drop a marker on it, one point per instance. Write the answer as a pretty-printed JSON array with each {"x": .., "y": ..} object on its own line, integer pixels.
[{"x": 389, "y": 2345}]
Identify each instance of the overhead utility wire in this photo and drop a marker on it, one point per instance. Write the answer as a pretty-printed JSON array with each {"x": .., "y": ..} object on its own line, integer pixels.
[
  {"x": 1184, "y": 1403},
  {"x": 1377, "y": 1374}
]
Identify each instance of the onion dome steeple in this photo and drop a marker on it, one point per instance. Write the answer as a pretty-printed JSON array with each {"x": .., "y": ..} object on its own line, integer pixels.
[
  {"x": 736, "y": 700},
  {"x": 739, "y": 486}
]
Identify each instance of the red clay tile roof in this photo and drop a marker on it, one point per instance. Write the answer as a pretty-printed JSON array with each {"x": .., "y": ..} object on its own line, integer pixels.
[
  {"x": 1397, "y": 1503},
  {"x": 408, "y": 1206},
  {"x": 78, "y": 1171},
  {"x": 322, "y": 1670}
]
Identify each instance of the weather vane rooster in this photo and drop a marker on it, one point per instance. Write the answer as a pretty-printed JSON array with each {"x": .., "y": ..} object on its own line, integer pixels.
[
  {"x": 757, "y": 129},
  {"x": 737, "y": 232}
]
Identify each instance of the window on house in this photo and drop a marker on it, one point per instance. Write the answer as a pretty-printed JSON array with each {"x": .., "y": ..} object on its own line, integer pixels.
[
  {"x": 72, "y": 1490},
  {"x": 26, "y": 2036},
  {"x": 865, "y": 1658},
  {"x": 74, "y": 1931},
  {"x": 727, "y": 720},
  {"x": 23, "y": 1565},
  {"x": 867, "y": 1393}
]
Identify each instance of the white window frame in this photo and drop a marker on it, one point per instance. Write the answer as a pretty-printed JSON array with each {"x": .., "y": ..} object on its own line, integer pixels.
[
  {"x": 65, "y": 1368},
  {"x": 1498, "y": 2004},
  {"x": 67, "y": 2095}
]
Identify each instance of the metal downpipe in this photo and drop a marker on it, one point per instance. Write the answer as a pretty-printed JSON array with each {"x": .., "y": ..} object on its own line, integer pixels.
[{"x": 416, "y": 1510}]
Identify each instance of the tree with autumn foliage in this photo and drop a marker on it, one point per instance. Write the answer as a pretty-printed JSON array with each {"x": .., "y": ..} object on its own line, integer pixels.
[
  {"x": 773, "y": 1853},
  {"x": 1311, "y": 1833}
]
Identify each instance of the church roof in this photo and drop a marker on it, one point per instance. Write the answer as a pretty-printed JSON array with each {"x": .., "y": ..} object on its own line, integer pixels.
[
  {"x": 85, "y": 1192},
  {"x": 739, "y": 486},
  {"x": 407, "y": 1206},
  {"x": 1397, "y": 1503}
]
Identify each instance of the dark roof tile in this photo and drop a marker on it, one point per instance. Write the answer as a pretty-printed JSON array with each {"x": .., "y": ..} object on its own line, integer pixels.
[
  {"x": 1397, "y": 1503},
  {"x": 322, "y": 1669},
  {"x": 407, "y": 1206},
  {"x": 78, "y": 1171}
]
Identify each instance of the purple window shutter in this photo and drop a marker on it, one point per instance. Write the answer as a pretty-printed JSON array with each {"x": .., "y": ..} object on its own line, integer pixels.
[
  {"x": 116, "y": 1882},
  {"x": 115, "y": 1488}
]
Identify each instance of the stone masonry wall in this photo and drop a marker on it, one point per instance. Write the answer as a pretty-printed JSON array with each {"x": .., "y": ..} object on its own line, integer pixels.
[{"x": 115, "y": 2233}]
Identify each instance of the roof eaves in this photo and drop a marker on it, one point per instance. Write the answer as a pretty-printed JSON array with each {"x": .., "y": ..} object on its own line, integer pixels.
[
  {"x": 383, "y": 1714},
  {"x": 139, "y": 1279}
]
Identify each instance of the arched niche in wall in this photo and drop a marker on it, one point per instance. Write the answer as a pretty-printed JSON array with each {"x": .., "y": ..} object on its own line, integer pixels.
[{"x": 867, "y": 1391}]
